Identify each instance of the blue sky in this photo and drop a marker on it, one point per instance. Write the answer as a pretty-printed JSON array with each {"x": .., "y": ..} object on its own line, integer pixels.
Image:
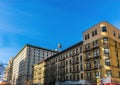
[{"x": 46, "y": 23}]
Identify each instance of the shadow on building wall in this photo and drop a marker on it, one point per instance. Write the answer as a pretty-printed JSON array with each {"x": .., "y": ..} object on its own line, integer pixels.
[
  {"x": 21, "y": 75},
  {"x": 50, "y": 73}
]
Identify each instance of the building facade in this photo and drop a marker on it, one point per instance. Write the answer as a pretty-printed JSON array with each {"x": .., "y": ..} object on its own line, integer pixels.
[
  {"x": 102, "y": 53},
  {"x": 24, "y": 61},
  {"x": 8, "y": 71},
  {"x": 39, "y": 73},
  {"x": 96, "y": 60},
  {"x": 65, "y": 67}
]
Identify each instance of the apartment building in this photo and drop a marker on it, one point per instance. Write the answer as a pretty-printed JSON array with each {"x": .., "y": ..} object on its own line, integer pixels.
[
  {"x": 24, "y": 61},
  {"x": 8, "y": 71},
  {"x": 66, "y": 67},
  {"x": 96, "y": 60},
  {"x": 101, "y": 47},
  {"x": 39, "y": 73}
]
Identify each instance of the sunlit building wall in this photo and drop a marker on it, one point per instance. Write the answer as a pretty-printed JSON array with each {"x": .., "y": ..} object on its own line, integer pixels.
[{"x": 24, "y": 61}]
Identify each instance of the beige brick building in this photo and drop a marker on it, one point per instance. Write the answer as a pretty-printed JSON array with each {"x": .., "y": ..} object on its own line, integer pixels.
[
  {"x": 62, "y": 67},
  {"x": 24, "y": 60}
]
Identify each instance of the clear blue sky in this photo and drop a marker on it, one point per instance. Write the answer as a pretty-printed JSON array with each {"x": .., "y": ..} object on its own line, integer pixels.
[{"x": 46, "y": 23}]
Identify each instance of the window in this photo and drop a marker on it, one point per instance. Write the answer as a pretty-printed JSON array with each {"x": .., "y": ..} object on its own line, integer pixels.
[
  {"x": 70, "y": 77},
  {"x": 95, "y": 63},
  {"x": 81, "y": 58},
  {"x": 81, "y": 67},
  {"x": 95, "y": 32},
  {"x": 77, "y": 76},
  {"x": 77, "y": 68},
  {"x": 115, "y": 43},
  {"x": 107, "y": 62},
  {"x": 104, "y": 29},
  {"x": 118, "y": 65},
  {"x": 114, "y": 34},
  {"x": 116, "y": 54},
  {"x": 81, "y": 75},
  {"x": 119, "y": 74},
  {"x": 97, "y": 74},
  {"x": 80, "y": 49},
  {"x": 106, "y": 51},
  {"x": 105, "y": 39},
  {"x": 76, "y": 51},
  {"x": 108, "y": 73},
  {"x": 88, "y": 55},
  {"x": 88, "y": 36},
  {"x": 88, "y": 65},
  {"x": 119, "y": 35},
  {"x": 87, "y": 46},
  {"x": 66, "y": 78},
  {"x": 89, "y": 75},
  {"x": 95, "y": 43},
  {"x": 96, "y": 53},
  {"x": 70, "y": 61},
  {"x": 92, "y": 33}
]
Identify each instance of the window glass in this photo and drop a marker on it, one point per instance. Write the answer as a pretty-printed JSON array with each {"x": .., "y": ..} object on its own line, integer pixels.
[
  {"x": 92, "y": 33},
  {"x": 95, "y": 32},
  {"x": 105, "y": 39},
  {"x": 104, "y": 29},
  {"x": 109, "y": 73},
  {"x": 97, "y": 74},
  {"x": 119, "y": 74},
  {"x": 107, "y": 62},
  {"x": 114, "y": 34},
  {"x": 106, "y": 51}
]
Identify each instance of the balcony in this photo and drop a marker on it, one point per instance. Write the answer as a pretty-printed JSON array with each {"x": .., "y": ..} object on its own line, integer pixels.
[
  {"x": 61, "y": 66},
  {"x": 75, "y": 62},
  {"x": 95, "y": 47},
  {"x": 93, "y": 68},
  {"x": 91, "y": 48},
  {"x": 61, "y": 59},
  {"x": 74, "y": 54},
  {"x": 87, "y": 49},
  {"x": 75, "y": 71},
  {"x": 90, "y": 58}
]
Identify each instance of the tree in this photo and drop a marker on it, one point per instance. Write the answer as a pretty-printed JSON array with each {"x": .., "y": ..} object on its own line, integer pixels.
[{"x": 2, "y": 68}]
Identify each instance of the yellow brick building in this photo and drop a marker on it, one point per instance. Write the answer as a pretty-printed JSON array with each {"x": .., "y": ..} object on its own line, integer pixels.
[
  {"x": 39, "y": 73},
  {"x": 101, "y": 53}
]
